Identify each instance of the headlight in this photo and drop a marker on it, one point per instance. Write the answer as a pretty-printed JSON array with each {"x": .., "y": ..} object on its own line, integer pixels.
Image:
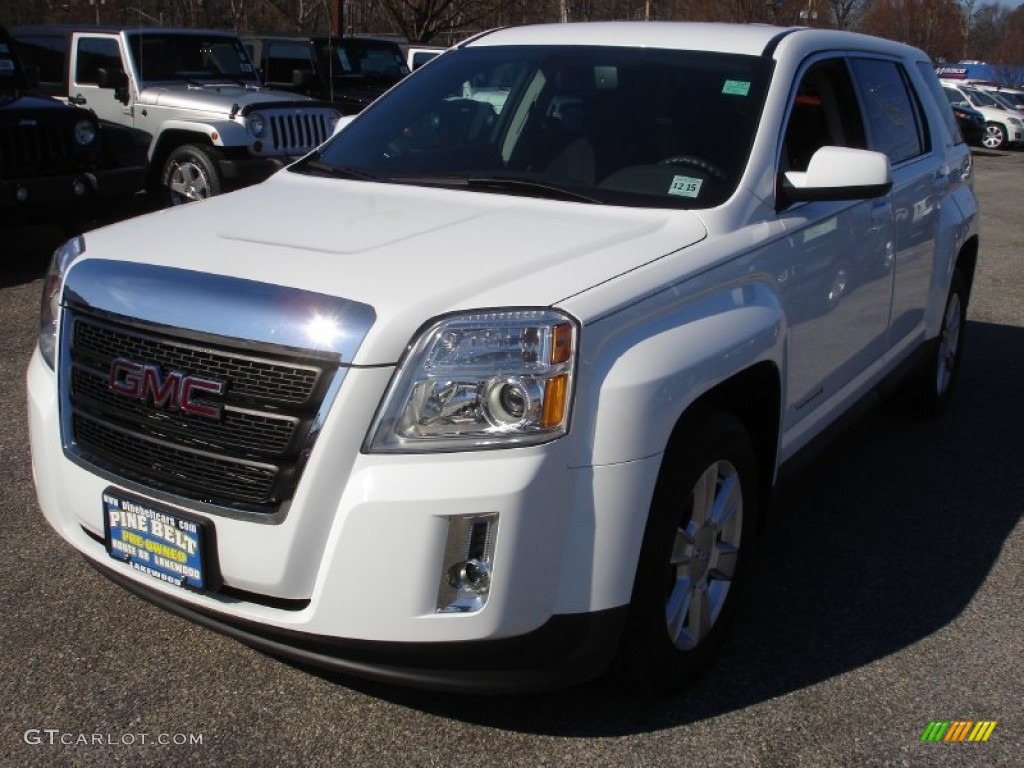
[
  {"x": 85, "y": 133},
  {"x": 256, "y": 124},
  {"x": 1016, "y": 121},
  {"x": 49, "y": 311},
  {"x": 481, "y": 380}
]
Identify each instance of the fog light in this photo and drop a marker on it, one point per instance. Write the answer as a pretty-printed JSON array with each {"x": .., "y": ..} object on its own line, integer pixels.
[
  {"x": 21, "y": 195},
  {"x": 78, "y": 187},
  {"x": 257, "y": 147},
  {"x": 468, "y": 559}
]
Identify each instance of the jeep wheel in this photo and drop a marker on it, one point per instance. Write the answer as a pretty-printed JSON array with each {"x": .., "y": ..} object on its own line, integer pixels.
[
  {"x": 190, "y": 174},
  {"x": 995, "y": 136},
  {"x": 694, "y": 556}
]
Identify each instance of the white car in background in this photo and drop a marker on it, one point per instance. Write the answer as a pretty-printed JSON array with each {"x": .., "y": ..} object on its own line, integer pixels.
[{"x": 1004, "y": 126}]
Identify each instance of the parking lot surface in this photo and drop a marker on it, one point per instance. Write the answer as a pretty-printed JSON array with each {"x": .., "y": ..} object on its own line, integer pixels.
[{"x": 887, "y": 596}]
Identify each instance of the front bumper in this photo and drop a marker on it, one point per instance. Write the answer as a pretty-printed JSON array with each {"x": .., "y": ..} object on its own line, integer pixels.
[
  {"x": 40, "y": 194},
  {"x": 566, "y": 650},
  {"x": 349, "y": 579}
]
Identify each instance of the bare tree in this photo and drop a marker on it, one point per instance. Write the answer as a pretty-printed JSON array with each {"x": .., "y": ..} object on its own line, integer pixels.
[
  {"x": 845, "y": 13},
  {"x": 423, "y": 20}
]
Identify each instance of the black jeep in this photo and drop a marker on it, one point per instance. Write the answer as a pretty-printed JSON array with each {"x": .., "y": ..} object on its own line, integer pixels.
[{"x": 52, "y": 161}]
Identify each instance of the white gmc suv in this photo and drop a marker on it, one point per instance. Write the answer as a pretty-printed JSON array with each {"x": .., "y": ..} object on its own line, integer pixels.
[{"x": 490, "y": 394}]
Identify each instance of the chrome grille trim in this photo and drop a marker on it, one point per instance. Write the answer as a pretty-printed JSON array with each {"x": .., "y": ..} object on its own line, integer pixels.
[
  {"x": 296, "y": 132},
  {"x": 246, "y": 463}
]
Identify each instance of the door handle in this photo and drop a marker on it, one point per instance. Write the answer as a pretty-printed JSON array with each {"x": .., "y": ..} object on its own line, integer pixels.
[{"x": 78, "y": 99}]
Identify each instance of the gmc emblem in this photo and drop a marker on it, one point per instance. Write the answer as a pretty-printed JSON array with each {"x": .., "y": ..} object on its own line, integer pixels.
[{"x": 174, "y": 391}]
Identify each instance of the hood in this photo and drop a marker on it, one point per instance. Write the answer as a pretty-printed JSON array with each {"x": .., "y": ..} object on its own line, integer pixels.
[
  {"x": 411, "y": 253},
  {"x": 20, "y": 101},
  {"x": 212, "y": 97}
]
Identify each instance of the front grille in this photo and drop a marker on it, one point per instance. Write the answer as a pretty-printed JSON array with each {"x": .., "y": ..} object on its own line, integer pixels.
[
  {"x": 296, "y": 133},
  {"x": 34, "y": 149},
  {"x": 249, "y": 457}
]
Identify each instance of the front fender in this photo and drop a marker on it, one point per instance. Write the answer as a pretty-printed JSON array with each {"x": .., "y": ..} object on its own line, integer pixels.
[
  {"x": 220, "y": 133},
  {"x": 644, "y": 371}
]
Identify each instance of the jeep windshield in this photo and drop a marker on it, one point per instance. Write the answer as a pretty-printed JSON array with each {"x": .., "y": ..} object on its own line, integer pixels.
[
  {"x": 623, "y": 126},
  {"x": 190, "y": 58},
  {"x": 11, "y": 77}
]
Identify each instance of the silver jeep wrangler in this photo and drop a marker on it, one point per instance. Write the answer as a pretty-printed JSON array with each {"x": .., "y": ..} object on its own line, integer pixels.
[{"x": 188, "y": 101}]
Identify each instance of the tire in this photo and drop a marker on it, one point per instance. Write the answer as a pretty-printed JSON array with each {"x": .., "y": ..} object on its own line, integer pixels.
[
  {"x": 191, "y": 173},
  {"x": 995, "y": 136},
  {"x": 931, "y": 388},
  {"x": 694, "y": 557}
]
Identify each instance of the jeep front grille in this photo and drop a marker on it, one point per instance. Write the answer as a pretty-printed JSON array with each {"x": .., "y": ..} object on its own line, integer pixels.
[
  {"x": 249, "y": 457},
  {"x": 36, "y": 149},
  {"x": 298, "y": 132}
]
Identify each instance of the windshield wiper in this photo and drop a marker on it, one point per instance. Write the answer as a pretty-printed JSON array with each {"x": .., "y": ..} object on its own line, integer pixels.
[
  {"x": 314, "y": 165},
  {"x": 530, "y": 188},
  {"x": 525, "y": 187}
]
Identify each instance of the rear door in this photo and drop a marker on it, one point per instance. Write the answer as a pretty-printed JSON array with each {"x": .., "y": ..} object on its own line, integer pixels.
[{"x": 895, "y": 121}]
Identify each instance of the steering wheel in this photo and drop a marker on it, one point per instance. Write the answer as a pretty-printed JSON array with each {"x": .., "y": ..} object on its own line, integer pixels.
[{"x": 696, "y": 162}]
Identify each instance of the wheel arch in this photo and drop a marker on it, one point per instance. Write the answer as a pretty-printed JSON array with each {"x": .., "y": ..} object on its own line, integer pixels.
[
  {"x": 754, "y": 397},
  {"x": 168, "y": 141}
]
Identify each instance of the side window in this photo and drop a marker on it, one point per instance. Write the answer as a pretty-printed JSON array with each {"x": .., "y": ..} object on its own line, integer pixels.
[
  {"x": 895, "y": 122},
  {"x": 940, "y": 101},
  {"x": 94, "y": 53},
  {"x": 823, "y": 113},
  {"x": 284, "y": 58}
]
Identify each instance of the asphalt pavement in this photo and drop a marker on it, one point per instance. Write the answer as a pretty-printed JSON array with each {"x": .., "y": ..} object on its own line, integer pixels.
[{"x": 887, "y": 595}]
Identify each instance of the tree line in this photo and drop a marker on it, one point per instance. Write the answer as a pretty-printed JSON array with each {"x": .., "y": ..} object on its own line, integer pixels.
[{"x": 948, "y": 30}]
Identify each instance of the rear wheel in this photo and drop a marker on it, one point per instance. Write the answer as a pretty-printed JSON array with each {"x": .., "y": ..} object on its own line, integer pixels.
[
  {"x": 190, "y": 174},
  {"x": 694, "y": 557},
  {"x": 929, "y": 391}
]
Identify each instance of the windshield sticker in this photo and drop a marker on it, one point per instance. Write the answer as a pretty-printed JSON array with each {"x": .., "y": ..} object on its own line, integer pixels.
[
  {"x": 685, "y": 186},
  {"x": 246, "y": 67},
  {"x": 736, "y": 88}
]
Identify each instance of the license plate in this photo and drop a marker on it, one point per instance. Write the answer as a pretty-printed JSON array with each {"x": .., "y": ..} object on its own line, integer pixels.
[{"x": 156, "y": 541}]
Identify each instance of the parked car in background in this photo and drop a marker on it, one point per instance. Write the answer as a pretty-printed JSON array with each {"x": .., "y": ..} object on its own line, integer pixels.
[
  {"x": 418, "y": 55},
  {"x": 351, "y": 72},
  {"x": 187, "y": 102},
  {"x": 1015, "y": 96},
  {"x": 493, "y": 393},
  {"x": 971, "y": 122},
  {"x": 1003, "y": 127},
  {"x": 55, "y": 162}
]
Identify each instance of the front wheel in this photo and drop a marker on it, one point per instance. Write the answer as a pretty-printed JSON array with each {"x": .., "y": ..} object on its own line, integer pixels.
[
  {"x": 694, "y": 557},
  {"x": 995, "y": 136},
  {"x": 190, "y": 174}
]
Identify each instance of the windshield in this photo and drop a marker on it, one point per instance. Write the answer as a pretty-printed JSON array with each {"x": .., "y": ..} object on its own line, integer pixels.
[
  {"x": 10, "y": 74},
  {"x": 1004, "y": 100},
  {"x": 981, "y": 99},
  {"x": 626, "y": 126},
  {"x": 191, "y": 57}
]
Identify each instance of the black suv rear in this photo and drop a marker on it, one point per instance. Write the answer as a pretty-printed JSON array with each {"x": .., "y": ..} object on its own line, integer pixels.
[
  {"x": 51, "y": 154},
  {"x": 350, "y": 71}
]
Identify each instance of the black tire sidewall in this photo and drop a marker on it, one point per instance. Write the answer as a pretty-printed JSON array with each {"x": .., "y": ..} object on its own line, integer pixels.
[
  {"x": 648, "y": 661},
  {"x": 190, "y": 153}
]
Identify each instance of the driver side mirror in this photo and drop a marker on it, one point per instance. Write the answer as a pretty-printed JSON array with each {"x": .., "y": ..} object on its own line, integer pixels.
[
  {"x": 836, "y": 173},
  {"x": 115, "y": 79}
]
